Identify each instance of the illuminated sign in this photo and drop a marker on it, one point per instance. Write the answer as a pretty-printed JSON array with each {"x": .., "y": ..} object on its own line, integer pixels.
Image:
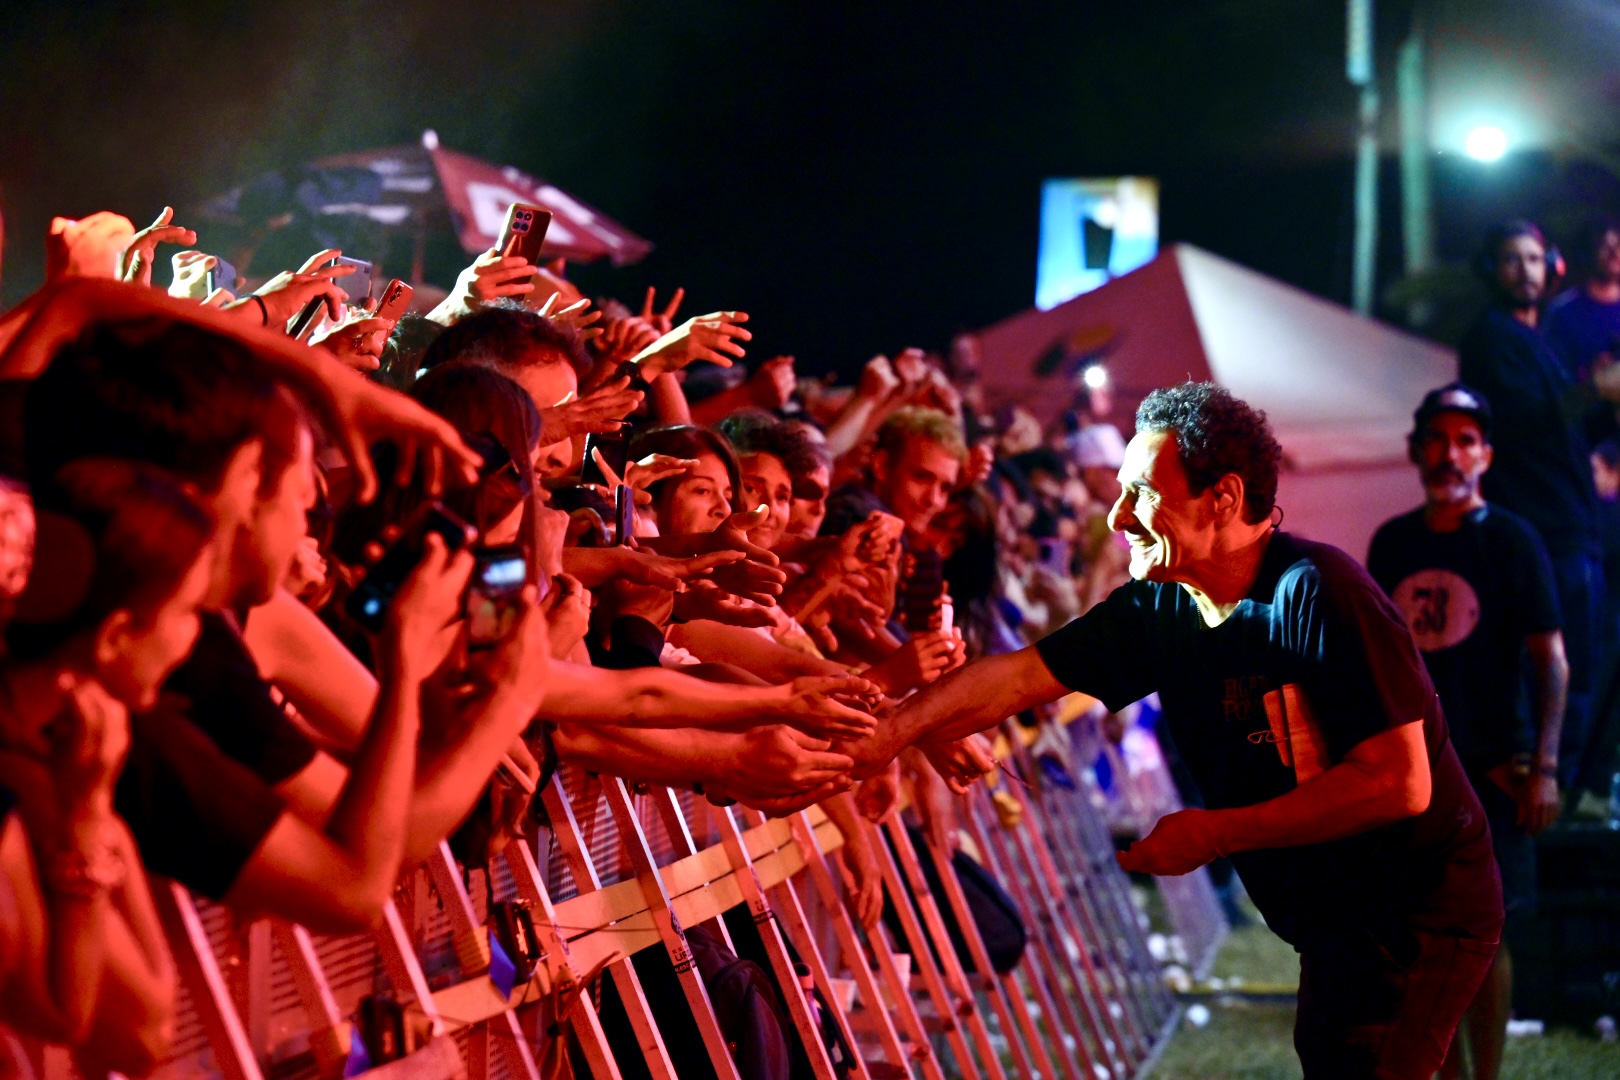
[{"x": 1093, "y": 230}]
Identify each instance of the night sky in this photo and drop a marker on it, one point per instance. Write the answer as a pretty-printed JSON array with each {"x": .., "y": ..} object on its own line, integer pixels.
[{"x": 858, "y": 178}]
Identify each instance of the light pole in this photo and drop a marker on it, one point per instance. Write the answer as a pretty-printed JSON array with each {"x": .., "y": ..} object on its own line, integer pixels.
[{"x": 1358, "y": 68}]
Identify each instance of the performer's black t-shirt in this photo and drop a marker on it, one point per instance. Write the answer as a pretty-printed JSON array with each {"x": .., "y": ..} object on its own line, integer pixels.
[
  {"x": 1315, "y": 619},
  {"x": 1471, "y": 597}
]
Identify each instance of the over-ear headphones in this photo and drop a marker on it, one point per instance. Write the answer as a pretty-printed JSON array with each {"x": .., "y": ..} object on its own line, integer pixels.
[{"x": 1484, "y": 261}]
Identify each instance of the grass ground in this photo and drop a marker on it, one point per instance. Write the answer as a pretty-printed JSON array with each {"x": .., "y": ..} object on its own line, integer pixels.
[{"x": 1254, "y": 1041}]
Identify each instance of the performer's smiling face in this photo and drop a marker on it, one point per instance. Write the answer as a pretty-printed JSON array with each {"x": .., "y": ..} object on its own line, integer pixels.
[{"x": 1168, "y": 527}]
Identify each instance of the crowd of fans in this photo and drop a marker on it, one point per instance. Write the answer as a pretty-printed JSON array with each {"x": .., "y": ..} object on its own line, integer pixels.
[{"x": 283, "y": 615}]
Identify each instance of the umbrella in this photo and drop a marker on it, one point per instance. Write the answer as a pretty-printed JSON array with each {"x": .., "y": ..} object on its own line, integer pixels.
[{"x": 404, "y": 187}]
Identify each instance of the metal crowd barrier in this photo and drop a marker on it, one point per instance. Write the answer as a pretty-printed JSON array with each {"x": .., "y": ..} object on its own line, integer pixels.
[{"x": 266, "y": 1000}]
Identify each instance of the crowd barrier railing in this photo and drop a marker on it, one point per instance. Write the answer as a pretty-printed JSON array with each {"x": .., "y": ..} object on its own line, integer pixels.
[{"x": 267, "y": 1000}]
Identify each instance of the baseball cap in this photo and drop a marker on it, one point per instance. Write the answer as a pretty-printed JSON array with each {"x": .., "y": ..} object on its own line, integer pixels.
[
  {"x": 1098, "y": 446},
  {"x": 1455, "y": 397}
]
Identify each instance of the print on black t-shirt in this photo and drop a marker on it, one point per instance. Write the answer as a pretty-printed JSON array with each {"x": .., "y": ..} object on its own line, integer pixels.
[{"x": 1471, "y": 597}]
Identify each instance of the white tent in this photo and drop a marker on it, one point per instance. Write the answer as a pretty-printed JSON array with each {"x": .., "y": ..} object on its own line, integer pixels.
[{"x": 1339, "y": 389}]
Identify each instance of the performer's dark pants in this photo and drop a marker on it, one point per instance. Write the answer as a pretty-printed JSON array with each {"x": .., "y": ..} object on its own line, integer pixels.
[{"x": 1384, "y": 1007}]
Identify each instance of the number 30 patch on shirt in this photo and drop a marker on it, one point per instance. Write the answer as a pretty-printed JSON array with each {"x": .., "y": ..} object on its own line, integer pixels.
[{"x": 1441, "y": 608}]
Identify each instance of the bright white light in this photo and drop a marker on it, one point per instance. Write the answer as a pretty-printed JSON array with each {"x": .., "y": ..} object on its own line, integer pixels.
[
  {"x": 1096, "y": 376},
  {"x": 1486, "y": 143}
]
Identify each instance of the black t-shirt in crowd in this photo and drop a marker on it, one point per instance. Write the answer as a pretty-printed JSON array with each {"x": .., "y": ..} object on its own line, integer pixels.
[
  {"x": 1470, "y": 598},
  {"x": 196, "y": 789},
  {"x": 1541, "y": 471},
  {"x": 1316, "y": 620}
]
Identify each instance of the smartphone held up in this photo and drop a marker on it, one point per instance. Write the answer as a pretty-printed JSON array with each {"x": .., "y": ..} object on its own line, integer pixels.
[
  {"x": 368, "y": 604},
  {"x": 524, "y": 232}
]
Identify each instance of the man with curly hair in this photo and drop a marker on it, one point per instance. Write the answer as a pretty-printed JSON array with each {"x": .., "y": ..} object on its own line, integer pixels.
[{"x": 1293, "y": 690}]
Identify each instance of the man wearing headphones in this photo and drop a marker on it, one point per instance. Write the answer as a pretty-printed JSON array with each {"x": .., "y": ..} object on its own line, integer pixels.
[
  {"x": 1476, "y": 588},
  {"x": 1541, "y": 468}
]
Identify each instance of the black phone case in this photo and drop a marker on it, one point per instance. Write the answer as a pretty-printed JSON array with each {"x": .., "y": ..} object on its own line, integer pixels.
[
  {"x": 368, "y": 604},
  {"x": 615, "y": 449}
]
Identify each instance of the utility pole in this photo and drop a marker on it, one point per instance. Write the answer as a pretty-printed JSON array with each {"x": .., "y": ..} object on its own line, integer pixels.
[
  {"x": 1417, "y": 209},
  {"x": 1358, "y": 68}
]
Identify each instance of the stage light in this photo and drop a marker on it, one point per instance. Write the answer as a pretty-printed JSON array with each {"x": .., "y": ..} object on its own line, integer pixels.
[
  {"x": 1486, "y": 143},
  {"x": 1095, "y": 377}
]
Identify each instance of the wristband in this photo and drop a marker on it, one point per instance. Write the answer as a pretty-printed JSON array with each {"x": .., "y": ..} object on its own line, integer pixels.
[{"x": 264, "y": 312}]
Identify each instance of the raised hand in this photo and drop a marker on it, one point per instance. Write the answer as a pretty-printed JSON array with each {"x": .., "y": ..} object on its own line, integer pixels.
[
  {"x": 782, "y": 805},
  {"x": 423, "y": 618},
  {"x": 815, "y": 708},
  {"x": 577, "y": 315},
  {"x": 961, "y": 762},
  {"x": 602, "y": 411},
  {"x": 517, "y": 669},
  {"x": 878, "y": 379},
  {"x": 365, "y": 413},
  {"x": 649, "y": 470},
  {"x": 778, "y": 761},
  {"x": 916, "y": 663},
  {"x": 771, "y": 386},
  {"x": 191, "y": 275},
  {"x": 705, "y": 600},
  {"x": 357, "y": 341},
  {"x": 864, "y": 895},
  {"x": 624, "y": 338},
  {"x": 86, "y": 746},
  {"x": 490, "y": 277},
  {"x": 285, "y": 295},
  {"x": 878, "y": 795},
  {"x": 911, "y": 366},
  {"x": 135, "y": 265},
  {"x": 662, "y": 321},
  {"x": 710, "y": 337},
  {"x": 568, "y": 611}
]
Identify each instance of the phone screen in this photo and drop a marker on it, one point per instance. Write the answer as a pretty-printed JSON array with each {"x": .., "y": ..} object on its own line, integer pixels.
[
  {"x": 494, "y": 593},
  {"x": 368, "y": 604},
  {"x": 615, "y": 449}
]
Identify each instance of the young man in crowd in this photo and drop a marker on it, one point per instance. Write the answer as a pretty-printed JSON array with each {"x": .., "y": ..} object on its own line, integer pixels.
[
  {"x": 1583, "y": 324},
  {"x": 916, "y": 460},
  {"x": 1541, "y": 468},
  {"x": 1475, "y": 586},
  {"x": 1376, "y": 863}
]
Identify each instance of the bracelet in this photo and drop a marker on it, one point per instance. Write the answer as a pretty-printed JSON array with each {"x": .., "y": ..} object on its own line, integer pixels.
[
  {"x": 85, "y": 875},
  {"x": 263, "y": 311}
]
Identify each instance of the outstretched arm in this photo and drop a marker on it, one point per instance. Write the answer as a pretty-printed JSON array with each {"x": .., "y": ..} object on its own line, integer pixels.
[{"x": 968, "y": 700}]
